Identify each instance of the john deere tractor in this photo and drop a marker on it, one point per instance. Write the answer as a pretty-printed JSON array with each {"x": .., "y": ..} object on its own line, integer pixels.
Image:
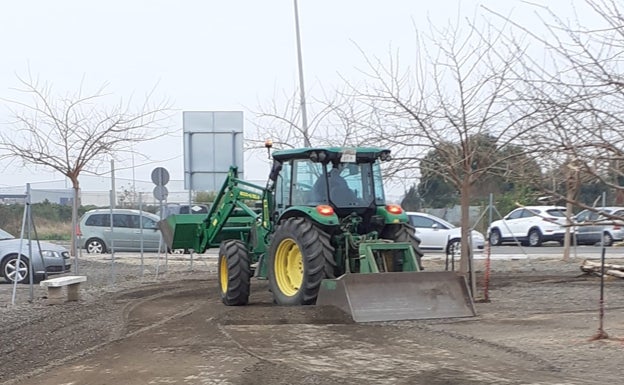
[{"x": 321, "y": 233}]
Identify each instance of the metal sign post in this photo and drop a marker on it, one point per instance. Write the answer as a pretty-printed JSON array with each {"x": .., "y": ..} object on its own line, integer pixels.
[{"x": 160, "y": 177}]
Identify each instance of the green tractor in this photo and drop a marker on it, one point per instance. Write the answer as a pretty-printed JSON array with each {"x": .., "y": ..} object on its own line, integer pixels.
[{"x": 321, "y": 233}]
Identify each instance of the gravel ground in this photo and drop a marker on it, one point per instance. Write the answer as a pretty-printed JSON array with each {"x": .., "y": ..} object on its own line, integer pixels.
[
  {"x": 551, "y": 306},
  {"x": 34, "y": 334}
]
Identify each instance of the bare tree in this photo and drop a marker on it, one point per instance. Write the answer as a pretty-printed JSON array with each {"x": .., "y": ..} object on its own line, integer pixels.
[
  {"x": 337, "y": 120},
  {"x": 579, "y": 90},
  {"x": 75, "y": 133},
  {"x": 457, "y": 91}
]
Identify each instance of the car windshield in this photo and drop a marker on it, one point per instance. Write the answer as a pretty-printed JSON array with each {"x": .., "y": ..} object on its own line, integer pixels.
[
  {"x": 445, "y": 223},
  {"x": 5, "y": 235}
]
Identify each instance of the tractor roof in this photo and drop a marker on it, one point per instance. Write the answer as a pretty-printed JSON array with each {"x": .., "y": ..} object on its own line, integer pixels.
[{"x": 365, "y": 154}]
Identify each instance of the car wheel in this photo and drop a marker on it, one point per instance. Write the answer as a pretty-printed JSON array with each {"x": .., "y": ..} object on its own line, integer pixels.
[
  {"x": 495, "y": 237},
  {"x": 607, "y": 239},
  {"x": 535, "y": 238},
  {"x": 454, "y": 248},
  {"x": 14, "y": 270},
  {"x": 95, "y": 246}
]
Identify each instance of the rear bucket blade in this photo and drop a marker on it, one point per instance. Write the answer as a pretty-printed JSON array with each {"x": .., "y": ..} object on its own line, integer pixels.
[{"x": 398, "y": 296}]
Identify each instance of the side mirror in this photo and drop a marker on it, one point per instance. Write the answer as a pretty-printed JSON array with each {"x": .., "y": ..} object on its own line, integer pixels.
[
  {"x": 435, "y": 226},
  {"x": 275, "y": 170}
]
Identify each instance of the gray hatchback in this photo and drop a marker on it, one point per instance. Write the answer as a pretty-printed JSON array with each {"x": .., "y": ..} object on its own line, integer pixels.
[
  {"x": 132, "y": 230},
  {"x": 46, "y": 258}
]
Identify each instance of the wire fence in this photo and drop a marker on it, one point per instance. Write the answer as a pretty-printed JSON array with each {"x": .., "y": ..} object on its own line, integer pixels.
[{"x": 112, "y": 271}]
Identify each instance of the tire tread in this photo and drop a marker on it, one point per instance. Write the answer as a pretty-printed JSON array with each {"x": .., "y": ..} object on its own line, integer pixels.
[
  {"x": 239, "y": 273},
  {"x": 318, "y": 259}
]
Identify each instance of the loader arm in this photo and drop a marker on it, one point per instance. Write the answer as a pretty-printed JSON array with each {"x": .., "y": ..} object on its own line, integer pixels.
[
  {"x": 229, "y": 217},
  {"x": 224, "y": 221}
]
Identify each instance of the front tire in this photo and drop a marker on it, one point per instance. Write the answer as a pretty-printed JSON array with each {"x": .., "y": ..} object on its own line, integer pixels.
[
  {"x": 13, "y": 271},
  {"x": 234, "y": 273},
  {"x": 535, "y": 238},
  {"x": 404, "y": 233},
  {"x": 607, "y": 239},
  {"x": 454, "y": 248},
  {"x": 300, "y": 257},
  {"x": 495, "y": 237}
]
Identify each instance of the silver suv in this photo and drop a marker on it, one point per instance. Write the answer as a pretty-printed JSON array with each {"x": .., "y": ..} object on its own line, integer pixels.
[
  {"x": 132, "y": 230},
  {"x": 594, "y": 227}
]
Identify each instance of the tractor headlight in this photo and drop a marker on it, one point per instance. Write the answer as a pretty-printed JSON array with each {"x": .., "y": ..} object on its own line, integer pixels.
[{"x": 319, "y": 156}]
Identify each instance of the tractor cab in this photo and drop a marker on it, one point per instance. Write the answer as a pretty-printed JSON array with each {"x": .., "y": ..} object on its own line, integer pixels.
[{"x": 347, "y": 180}]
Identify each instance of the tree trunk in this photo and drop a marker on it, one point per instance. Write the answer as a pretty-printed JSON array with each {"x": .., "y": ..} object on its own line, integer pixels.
[
  {"x": 567, "y": 239},
  {"x": 572, "y": 184},
  {"x": 466, "y": 263},
  {"x": 75, "y": 205}
]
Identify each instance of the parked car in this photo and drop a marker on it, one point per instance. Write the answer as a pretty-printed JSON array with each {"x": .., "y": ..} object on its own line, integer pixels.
[
  {"x": 594, "y": 227},
  {"x": 178, "y": 208},
  {"x": 436, "y": 234},
  {"x": 132, "y": 230},
  {"x": 46, "y": 258},
  {"x": 530, "y": 225}
]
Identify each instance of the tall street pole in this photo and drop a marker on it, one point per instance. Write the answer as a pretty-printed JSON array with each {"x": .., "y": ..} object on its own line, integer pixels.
[{"x": 304, "y": 117}]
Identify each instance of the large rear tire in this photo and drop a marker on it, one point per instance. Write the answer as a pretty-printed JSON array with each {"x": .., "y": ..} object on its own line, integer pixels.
[
  {"x": 404, "y": 232},
  {"x": 234, "y": 273},
  {"x": 300, "y": 257}
]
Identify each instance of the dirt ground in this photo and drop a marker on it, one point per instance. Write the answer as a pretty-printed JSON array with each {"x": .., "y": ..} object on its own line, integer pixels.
[{"x": 536, "y": 329}]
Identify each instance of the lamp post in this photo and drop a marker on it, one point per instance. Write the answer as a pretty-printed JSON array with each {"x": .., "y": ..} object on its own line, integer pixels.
[{"x": 304, "y": 117}]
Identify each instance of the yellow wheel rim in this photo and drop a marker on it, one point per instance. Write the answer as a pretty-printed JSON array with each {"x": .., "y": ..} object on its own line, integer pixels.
[
  {"x": 223, "y": 269},
  {"x": 288, "y": 267}
]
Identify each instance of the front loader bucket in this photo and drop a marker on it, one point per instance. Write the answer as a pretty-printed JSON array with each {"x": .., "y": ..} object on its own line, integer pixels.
[
  {"x": 180, "y": 231},
  {"x": 397, "y": 296}
]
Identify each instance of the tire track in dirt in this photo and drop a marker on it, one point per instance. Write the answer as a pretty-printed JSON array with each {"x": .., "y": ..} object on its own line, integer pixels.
[{"x": 118, "y": 313}]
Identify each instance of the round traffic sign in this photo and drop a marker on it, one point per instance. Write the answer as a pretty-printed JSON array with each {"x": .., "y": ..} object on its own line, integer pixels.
[
  {"x": 161, "y": 193},
  {"x": 160, "y": 176}
]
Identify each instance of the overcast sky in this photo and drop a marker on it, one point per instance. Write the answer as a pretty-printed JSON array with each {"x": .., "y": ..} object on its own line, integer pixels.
[{"x": 207, "y": 55}]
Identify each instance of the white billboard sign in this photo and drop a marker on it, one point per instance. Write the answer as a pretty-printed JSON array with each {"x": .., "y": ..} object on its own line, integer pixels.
[{"x": 213, "y": 141}]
